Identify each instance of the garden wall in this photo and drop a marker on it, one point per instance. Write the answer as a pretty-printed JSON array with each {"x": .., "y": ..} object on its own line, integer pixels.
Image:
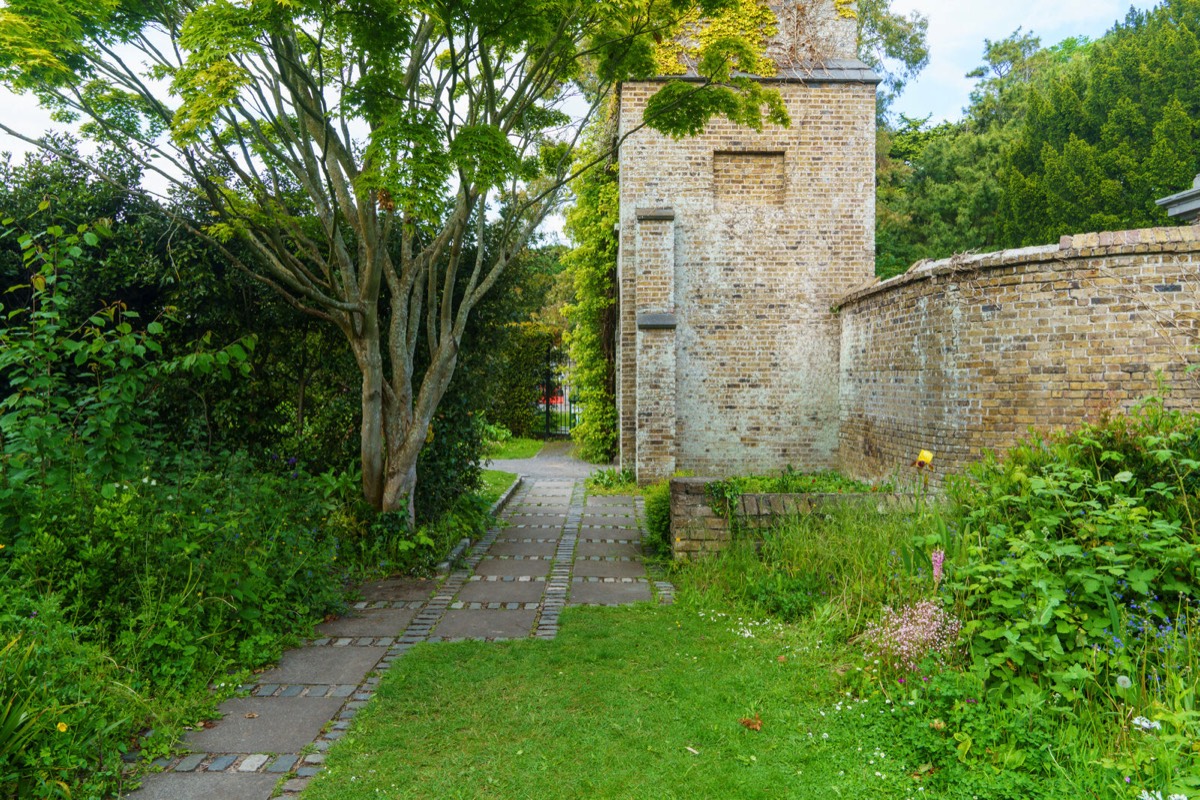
[
  {"x": 697, "y": 530},
  {"x": 734, "y": 245},
  {"x": 968, "y": 354}
]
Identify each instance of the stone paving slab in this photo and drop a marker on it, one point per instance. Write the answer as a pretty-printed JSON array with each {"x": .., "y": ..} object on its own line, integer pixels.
[
  {"x": 512, "y": 548},
  {"x": 485, "y": 624},
  {"x": 520, "y": 534},
  {"x": 610, "y": 500},
  {"x": 324, "y": 665},
  {"x": 502, "y": 592},
  {"x": 514, "y": 568},
  {"x": 535, "y": 520},
  {"x": 281, "y": 726},
  {"x": 609, "y": 569},
  {"x": 205, "y": 786},
  {"x": 608, "y": 549},
  {"x": 589, "y": 593},
  {"x": 604, "y": 533},
  {"x": 397, "y": 589},
  {"x": 625, "y": 523},
  {"x": 381, "y": 622}
]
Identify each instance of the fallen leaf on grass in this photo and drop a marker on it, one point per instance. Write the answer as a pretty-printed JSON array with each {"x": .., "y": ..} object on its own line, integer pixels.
[
  {"x": 693, "y": 751},
  {"x": 782, "y": 659},
  {"x": 754, "y": 724}
]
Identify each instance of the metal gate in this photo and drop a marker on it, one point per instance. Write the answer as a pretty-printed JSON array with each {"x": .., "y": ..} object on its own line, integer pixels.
[{"x": 557, "y": 407}]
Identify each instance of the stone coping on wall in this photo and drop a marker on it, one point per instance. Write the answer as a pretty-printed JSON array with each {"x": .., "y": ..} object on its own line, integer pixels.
[
  {"x": 697, "y": 530},
  {"x": 831, "y": 70},
  {"x": 1082, "y": 245}
]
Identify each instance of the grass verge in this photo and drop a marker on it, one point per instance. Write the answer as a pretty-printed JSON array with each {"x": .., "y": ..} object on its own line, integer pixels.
[
  {"x": 515, "y": 448},
  {"x": 495, "y": 483}
]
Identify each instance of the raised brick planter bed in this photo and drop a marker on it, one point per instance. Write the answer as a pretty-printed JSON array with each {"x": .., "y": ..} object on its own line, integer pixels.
[{"x": 697, "y": 530}]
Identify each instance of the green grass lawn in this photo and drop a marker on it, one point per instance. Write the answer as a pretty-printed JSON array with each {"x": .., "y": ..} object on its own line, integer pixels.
[
  {"x": 516, "y": 447},
  {"x": 495, "y": 483},
  {"x": 640, "y": 701}
]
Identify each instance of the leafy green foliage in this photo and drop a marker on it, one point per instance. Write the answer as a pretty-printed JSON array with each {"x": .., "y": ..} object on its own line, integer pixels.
[
  {"x": 528, "y": 352},
  {"x": 449, "y": 461},
  {"x": 591, "y": 224},
  {"x": 1081, "y": 136},
  {"x": 76, "y": 396},
  {"x": 1101, "y": 144},
  {"x": 893, "y": 44},
  {"x": 657, "y": 541},
  {"x": 612, "y": 481},
  {"x": 73, "y": 700},
  {"x": 1080, "y": 550}
]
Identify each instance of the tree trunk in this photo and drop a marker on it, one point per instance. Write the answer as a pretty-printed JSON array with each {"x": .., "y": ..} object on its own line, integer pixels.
[
  {"x": 406, "y": 431},
  {"x": 372, "y": 444}
]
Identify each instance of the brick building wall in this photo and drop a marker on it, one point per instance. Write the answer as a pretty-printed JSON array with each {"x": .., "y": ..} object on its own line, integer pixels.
[
  {"x": 727, "y": 343},
  {"x": 970, "y": 353}
]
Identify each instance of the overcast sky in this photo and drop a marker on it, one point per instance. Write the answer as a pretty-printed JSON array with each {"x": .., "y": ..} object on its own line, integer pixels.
[{"x": 957, "y": 29}]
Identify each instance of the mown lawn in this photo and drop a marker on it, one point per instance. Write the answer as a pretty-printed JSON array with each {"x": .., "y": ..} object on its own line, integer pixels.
[
  {"x": 640, "y": 701},
  {"x": 516, "y": 448},
  {"x": 495, "y": 483}
]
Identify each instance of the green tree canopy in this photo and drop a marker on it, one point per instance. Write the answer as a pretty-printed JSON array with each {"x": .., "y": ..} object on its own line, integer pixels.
[
  {"x": 353, "y": 150},
  {"x": 1081, "y": 136}
]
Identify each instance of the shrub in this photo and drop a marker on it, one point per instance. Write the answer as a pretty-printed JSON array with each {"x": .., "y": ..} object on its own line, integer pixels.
[
  {"x": 527, "y": 351},
  {"x": 154, "y": 568},
  {"x": 658, "y": 519},
  {"x": 449, "y": 465},
  {"x": 1078, "y": 551},
  {"x": 612, "y": 481},
  {"x": 79, "y": 712}
]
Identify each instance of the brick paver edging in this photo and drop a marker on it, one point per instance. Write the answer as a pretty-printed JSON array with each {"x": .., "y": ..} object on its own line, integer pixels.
[{"x": 560, "y": 572}]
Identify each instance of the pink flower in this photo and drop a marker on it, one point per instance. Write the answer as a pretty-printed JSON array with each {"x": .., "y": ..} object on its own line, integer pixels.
[
  {"x": 937, "y": 557},
  {"x": 903, "y": 638}
]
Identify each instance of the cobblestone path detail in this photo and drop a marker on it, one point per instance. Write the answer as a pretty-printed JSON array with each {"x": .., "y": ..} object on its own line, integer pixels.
[{"x": 549, "y": 550}]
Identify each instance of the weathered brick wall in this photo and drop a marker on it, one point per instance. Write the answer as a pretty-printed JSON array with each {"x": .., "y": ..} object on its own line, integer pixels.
[
  {"x": 969, "y": 354},
  {"x": 770, "y": 229}
]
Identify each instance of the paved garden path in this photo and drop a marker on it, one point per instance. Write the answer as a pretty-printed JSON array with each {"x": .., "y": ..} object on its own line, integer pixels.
[{"x": 551, "y": 549}]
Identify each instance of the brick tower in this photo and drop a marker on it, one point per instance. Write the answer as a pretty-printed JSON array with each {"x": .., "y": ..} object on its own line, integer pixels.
[{"x": 734, "y": 246}]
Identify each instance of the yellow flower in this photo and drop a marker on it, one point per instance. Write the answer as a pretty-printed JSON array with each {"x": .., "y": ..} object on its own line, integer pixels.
[
  {"x": 2, "y": 546},
  {"x": 62, "y": 727},
  {"x": 924, "y": 459}
]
